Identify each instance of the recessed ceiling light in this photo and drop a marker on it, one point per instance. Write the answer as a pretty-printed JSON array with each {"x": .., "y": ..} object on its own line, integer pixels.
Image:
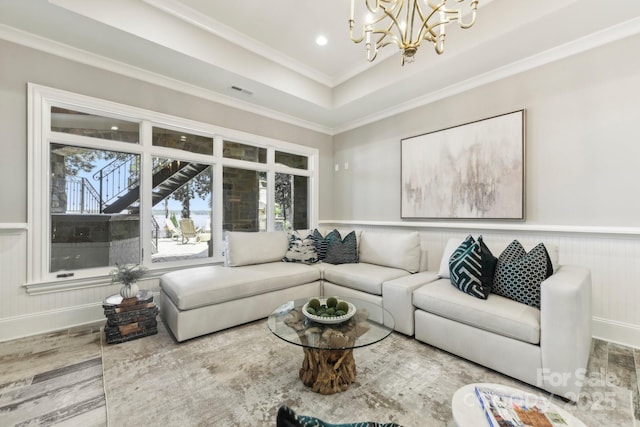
[
  {"x": 321, "y": 40},
  {"x": 114, "y": 127}
]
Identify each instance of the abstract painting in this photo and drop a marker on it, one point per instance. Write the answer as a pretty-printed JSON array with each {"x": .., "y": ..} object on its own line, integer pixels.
[{"x": 470, "y": 171}]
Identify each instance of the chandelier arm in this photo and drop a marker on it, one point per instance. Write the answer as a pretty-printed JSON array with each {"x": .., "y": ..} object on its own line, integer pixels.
[
  {"x": 456, "y": 13},
  {"x": 387, "y": 13},
  {"x": 375, "y": 10},
  {"x": 355, "y": 39}
]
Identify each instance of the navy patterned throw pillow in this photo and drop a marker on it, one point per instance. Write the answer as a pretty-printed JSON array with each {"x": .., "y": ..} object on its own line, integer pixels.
[
  {"x": 343, "y": 251},
  {"x": 471, "y": 268},
  {"x": 519, "y": 274},
  {"x": 322, "y": 243}
]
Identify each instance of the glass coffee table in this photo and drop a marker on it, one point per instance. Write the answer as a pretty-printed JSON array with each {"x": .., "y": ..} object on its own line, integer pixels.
[{"x": 328, "y": 366}]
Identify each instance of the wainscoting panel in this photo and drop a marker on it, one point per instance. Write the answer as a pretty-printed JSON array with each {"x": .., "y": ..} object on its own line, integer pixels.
[
  {"x": 613, "y": 258},
  {"x": 22, "y": 314}
]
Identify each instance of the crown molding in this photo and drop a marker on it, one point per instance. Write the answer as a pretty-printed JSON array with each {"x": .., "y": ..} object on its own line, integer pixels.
[
  {"x": 43, "y": 44},
  {"x": 621, "y": 31}
]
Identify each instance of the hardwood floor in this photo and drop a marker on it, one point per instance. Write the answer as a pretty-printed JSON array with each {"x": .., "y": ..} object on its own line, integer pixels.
[
  {"x": 53, "y": 379},
  {"x": 56, "y": 378}
]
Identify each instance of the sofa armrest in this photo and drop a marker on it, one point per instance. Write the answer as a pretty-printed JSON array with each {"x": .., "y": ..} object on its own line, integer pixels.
[
  {"x": 565, "y": 330},
  {"x": 397, "y": 298}
]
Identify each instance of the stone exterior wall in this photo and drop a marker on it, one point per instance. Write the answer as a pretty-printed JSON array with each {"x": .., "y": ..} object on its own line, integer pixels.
[
  {"x": 241, "y": 199},
  {"x": 300, "y": 202},
  {"x": 58, "y": 184},
  {"x": 86, "y": 241}
]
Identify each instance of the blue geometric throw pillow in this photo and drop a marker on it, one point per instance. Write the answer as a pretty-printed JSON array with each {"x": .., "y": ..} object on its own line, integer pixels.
[
  {"x": 322, "y": 243},
  {"x": 471, "y": 268},
  {"x": 519, "y": 275}
]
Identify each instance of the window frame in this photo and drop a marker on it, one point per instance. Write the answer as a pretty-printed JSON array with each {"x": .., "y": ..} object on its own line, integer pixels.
[{"x": 40, "y": 136}]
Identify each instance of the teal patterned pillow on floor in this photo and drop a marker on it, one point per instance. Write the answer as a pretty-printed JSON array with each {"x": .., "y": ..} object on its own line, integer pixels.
[{"x": 288, "y": 418}]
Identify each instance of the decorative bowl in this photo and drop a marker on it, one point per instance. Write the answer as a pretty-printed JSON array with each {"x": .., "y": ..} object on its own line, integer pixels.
[{"x": 332, "y": 320}]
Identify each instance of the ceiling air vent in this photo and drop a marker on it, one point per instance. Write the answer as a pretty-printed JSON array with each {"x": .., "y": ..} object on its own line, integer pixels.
[{"x": 244, "y": 91}]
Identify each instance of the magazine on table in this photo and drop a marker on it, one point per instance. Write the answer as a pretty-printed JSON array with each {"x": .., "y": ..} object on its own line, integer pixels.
[{"x": 504, "y": 408}]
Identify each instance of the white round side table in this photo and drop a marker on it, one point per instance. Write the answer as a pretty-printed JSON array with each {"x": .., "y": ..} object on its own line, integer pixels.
[{"x": 467, "y": 411}]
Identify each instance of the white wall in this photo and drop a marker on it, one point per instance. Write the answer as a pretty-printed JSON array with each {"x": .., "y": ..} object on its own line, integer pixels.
[
  {"x": 22, "y": 314},
  {"x": 582, "y": 173}
]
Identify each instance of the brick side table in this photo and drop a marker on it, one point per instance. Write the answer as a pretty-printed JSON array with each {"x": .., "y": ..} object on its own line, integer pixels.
[{"x": 131, "y": 318}]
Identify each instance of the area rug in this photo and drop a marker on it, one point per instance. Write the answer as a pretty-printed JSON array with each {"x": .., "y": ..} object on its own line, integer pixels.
[{"x": 239, "y": 377}]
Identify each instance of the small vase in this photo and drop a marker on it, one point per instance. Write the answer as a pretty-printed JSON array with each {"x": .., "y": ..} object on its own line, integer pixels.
[{"x": 129, "y": 291}]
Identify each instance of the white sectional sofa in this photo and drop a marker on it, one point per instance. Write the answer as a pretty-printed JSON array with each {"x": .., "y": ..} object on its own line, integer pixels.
[{"x": 545, "y": 347}]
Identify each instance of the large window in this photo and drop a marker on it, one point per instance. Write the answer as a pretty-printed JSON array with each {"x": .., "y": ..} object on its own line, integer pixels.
[{"x": 112, "y": 184}]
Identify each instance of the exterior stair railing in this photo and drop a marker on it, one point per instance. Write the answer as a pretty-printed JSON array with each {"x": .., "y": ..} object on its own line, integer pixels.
[
  {"x": 116, "y": 178},
  {"x": 81, "y": 196}
]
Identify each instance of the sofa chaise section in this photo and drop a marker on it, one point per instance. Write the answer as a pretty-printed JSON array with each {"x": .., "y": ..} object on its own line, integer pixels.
[{"x": 202, "y": 300}]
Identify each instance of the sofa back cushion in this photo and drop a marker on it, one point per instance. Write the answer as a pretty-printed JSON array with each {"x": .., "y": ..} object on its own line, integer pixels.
[
  {"x": 395, "y": 250},
  {"x": 247, "y": 248}
]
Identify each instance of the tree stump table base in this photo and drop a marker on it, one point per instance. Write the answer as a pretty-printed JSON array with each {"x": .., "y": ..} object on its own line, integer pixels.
[
  {"x": 329, "y": 366},
  {"x": 328, "y": 371}
]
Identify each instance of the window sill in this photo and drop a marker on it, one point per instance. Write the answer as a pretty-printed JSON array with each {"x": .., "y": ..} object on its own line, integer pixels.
[{"x": 63, "y": 285}]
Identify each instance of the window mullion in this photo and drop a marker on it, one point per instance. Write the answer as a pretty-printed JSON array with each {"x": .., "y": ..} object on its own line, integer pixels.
[
  {"x": 217, "y": 199},
  {"x": 146, "y": 188},
  {"x": 271, "y": 190}
]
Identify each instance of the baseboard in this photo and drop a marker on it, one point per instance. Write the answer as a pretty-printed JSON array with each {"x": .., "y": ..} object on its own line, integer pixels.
[
  {"x": 620, "y": 333},
  {"x": 39, "y": 323}
]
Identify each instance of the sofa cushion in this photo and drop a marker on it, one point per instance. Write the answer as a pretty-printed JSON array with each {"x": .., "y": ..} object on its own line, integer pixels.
[
  {"x": 247, "y": 248},
  {"x": 471, "y": 267},
  {"x": 519, "y": 274},
  {"x": 496, "y": 314},
  {"x": 202, "y": 286},
  {"x": 301, "y": 248},
  {"x": 342, "y": 251},
  {"x": 496, "y": 246},
  {"x": 362, "y": 276},
  {"x": 395, "y": 250}
]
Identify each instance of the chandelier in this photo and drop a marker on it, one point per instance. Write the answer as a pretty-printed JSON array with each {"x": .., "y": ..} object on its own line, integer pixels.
[{"x": 407, "y": 23}]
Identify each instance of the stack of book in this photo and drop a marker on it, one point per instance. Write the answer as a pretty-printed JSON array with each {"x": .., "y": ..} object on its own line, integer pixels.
[
  {"x": 131, "y": 318},
  {"x": 508, "y": 409}
]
